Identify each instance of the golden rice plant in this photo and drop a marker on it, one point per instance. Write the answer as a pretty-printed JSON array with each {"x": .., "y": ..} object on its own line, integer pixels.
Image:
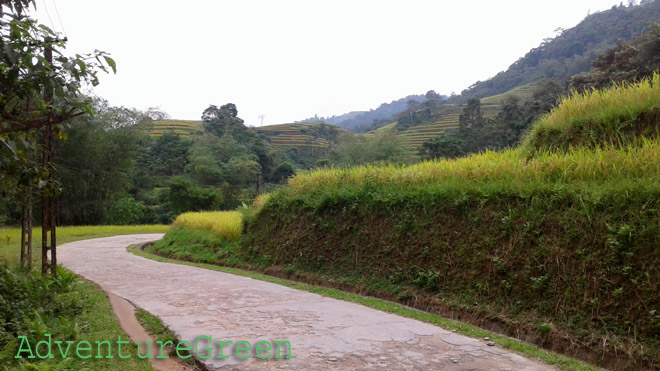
[
  {"x": 634, "y": 162},
  {"x": 226, "y": 224}
]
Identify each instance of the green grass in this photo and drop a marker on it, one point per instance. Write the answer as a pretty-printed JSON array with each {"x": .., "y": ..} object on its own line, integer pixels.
[
  {"x": 530, "y": 350},
  {"x": 68, "y": 309},
  {"x": 155, "y": 327},
  {"x": 197, "y": 245}
]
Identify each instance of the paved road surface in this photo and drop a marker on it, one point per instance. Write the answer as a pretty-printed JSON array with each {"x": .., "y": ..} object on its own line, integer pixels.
[{"x": 324, "y": 333}]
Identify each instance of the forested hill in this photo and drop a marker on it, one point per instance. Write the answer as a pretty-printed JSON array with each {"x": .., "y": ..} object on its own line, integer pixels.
[
  {"x": 362, "y": 119},
  {"x": 567, "y": 54},
  {"x": 572, "y": 51}
]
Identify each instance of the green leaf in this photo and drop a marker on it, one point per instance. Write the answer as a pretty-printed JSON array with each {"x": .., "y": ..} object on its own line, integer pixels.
[
  {"x": 87, "y": 109},
  {"x": 111, "y": 63},
  {"x": 46, "y": 29}
]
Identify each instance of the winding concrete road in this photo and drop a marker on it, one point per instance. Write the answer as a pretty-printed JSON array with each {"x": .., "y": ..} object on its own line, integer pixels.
[{"x": 324, "y": 333}]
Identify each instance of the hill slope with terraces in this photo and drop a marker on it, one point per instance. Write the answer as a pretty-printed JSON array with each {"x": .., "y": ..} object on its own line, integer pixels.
[{"x": 444, "y": 117}]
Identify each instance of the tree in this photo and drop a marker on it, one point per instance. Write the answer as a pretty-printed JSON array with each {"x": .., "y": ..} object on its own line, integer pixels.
[
  {"x": 443, "y": 146},
  {"x": 223, "y": 120},
  {"x": 95, "y": 164},
  {"x": 471, "y": 116},
  {"x": 25, "y": 76},
  {"x": 284, "y": 172},
  {"x": 382, "y": 148},
  {"x": 184, "y": 196},
  {"x": 433, "y": 96},
  {"x": 169, "y": 154}
]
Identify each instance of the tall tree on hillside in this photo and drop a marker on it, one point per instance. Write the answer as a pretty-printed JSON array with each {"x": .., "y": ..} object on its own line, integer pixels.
[
  {"x": 223, "y": 120},
  {"x": 472, "y": 117}
]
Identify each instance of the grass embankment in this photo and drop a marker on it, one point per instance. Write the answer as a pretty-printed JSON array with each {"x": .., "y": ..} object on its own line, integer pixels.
[
  {"x": 68, "y": 308},
  {"x": 555, "y": 242}
]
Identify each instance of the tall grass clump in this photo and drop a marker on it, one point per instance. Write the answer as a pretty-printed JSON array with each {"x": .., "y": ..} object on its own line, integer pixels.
[
  {"x": 617, "y": 115},
  {"x": 226, "y": 224}
]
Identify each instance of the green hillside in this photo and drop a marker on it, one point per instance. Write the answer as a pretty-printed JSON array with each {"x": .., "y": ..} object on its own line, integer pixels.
[
  {"x": 572, "y": 50},
  {"x": 306, "y": 138}
]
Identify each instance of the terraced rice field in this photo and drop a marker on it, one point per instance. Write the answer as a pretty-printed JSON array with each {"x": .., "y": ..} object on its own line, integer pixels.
[
  {"x": 490, "y": 106},
  {"x": 294, "y": 136},
  {"x": 184, "y": 128}
]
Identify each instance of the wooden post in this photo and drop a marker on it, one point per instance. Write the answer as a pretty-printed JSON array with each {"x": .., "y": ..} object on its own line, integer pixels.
[{"x": 26, "y": 232}]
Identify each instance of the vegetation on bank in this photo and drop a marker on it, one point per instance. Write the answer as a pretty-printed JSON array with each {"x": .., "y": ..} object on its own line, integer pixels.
[
  {"x": 558, "y": 245},
  {"x": 613, "y": 116},
  {"x": 208, "y": 237},
  {"x": 67, "y": 307}
]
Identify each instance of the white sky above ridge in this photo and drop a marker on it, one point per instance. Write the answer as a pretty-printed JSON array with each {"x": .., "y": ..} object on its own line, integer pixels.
[{"x": 289, "y": 60}]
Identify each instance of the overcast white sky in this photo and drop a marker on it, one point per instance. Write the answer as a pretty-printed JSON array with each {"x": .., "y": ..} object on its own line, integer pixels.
[{"x": 289, "y": 60}]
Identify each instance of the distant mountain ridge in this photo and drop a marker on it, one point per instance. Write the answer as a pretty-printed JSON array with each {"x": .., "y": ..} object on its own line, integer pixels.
[
  {"x": 356, "y": 119},
  {"x": 572, "y": 51},
  {"x": 559, "y": 58}
]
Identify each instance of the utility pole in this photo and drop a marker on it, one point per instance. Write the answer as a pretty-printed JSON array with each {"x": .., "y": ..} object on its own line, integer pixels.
[
  {"x": 48, "y": 207},
  {"x": 258, "y": 180}
]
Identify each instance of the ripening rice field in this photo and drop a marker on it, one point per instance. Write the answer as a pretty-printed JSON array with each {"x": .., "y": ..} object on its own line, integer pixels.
[
  {"x": 184, "y": 128},
  {"x": 10, "y": 238},
  {"x": 225, "y": 224}
]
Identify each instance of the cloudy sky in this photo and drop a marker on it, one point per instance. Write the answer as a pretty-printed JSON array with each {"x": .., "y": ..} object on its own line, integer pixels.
[{"x": 289, "y": 60}]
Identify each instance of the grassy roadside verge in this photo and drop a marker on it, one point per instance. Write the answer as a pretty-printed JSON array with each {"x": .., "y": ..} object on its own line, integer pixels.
[
  {"x": 10, "y": 238},
  {"x": 527, "y": 349},
  {"x": 68, "y": 308},
  {"x": 160, "y": 332}
]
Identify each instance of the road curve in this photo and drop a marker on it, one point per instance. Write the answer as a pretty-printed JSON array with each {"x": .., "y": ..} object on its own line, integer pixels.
[{"x": 324, "y": 333}]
